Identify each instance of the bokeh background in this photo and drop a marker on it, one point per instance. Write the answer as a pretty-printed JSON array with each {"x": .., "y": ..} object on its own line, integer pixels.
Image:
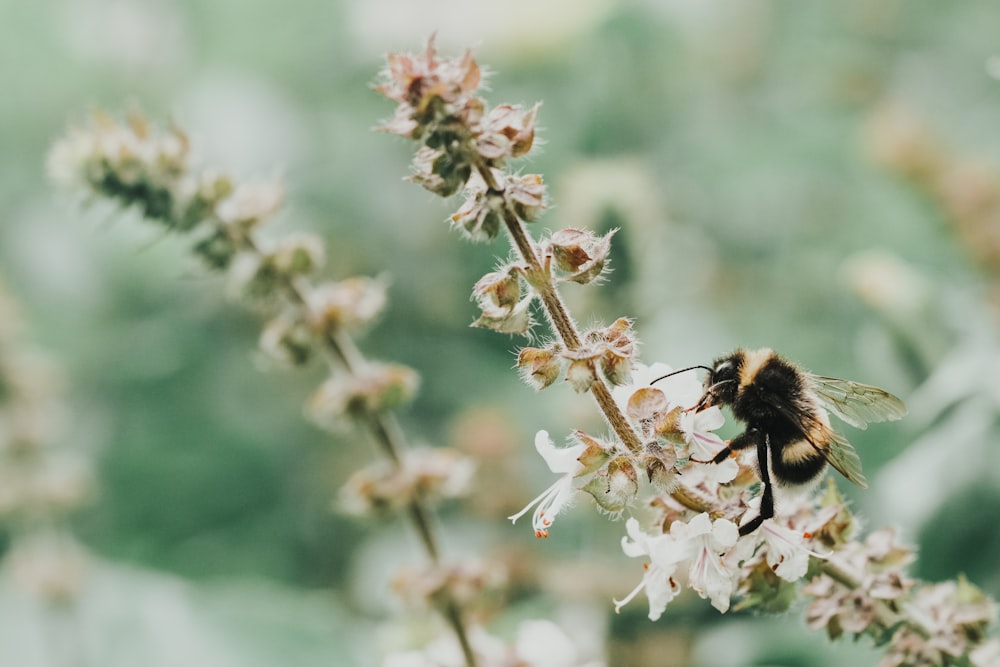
[{"x": 821, "y": 178}]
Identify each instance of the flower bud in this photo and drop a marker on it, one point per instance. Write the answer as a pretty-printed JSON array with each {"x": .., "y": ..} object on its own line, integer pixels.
[
  {"x": 348, "y": 304},
  {"x": 427, "y": 473},
  {"x": 254, "y": 277},
  {"x": 299, "y": 254},
  {"x": 500, "y": 289},
  {"x": 287, "y": 340},
  {"x": 462, "y": 583},
  {"x": 616, "y": 345},
  {"x": 251, "y": 204},
  {"x": 375, "y": 389},
  {"x": 517, "y": 320},
  {"x": 507, "y": 131},
  {"x": 594, "y": 456},
  {"x": 581, "y": 374},
  {"x": 481, "y": 216},
  {"x": 441, "y": 172},
  {"x": 615, "y": 486},
  {"x": 659, "y": 463},
  {"x": 217, "y": 250},
  {"x": 539, "y": 367},
  {"x": 582, "y": 255},
  {"x": 525, "y": 196}
]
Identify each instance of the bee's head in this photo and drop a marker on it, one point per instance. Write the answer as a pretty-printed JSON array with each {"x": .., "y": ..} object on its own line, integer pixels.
[{"x": 722, "y": 382}]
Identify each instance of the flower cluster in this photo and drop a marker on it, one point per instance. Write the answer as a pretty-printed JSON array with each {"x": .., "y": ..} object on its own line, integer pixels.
[
  {"x": 656, "y": 440},
  {"x": 134, "y": 165},
  {"x": 41, "y": 483},
  {"x": 437, "y": 105},
  {"x": 808, "y": 550},
  {"x": 427, "y": 473}
]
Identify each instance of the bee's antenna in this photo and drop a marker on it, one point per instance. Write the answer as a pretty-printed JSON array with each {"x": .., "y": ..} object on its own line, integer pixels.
[{"x": 683, "y": 370}]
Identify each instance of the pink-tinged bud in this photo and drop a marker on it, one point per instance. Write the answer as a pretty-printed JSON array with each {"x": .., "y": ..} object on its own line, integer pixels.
[
  {"x": 287, "y": 339},
  {"x": 615, "y": 486},
  {"x": 581, "y": 374},
  {"x": 615, "y": 346},
  {"x": 481, "y": 216},
  {"x": 525, "y": 196},
  {"x": 594, "y": 456},
  {"x": 539, "y": 367},
  {"x": 375, "y": 389},
  {"x": 507, "y": 131},
  {"x": 427, "y": 88},
  {"x": 581, "y": 255},
  {"x": 349, "y": 304},
  {"x": 499, "y": 289},
  {"x": 498, "y": 295}
]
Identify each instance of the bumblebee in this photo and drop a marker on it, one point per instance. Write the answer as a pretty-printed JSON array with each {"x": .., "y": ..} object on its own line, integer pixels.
[{"x": 784, "y": 409}]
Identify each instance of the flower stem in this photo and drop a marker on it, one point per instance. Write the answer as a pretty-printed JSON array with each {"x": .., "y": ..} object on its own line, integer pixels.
[
  {"x": 388, "y": 436},
  {"x": 559, "y": 316}
]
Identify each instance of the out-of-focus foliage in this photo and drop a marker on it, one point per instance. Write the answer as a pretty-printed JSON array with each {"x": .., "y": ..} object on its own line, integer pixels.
[{"x": 798, "y": 175}]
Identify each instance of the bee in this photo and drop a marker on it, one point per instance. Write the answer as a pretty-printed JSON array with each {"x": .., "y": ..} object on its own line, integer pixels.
[{"x": 784, "y": 409}]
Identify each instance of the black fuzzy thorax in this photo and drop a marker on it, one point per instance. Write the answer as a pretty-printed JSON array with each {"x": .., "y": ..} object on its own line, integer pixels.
[{"x": 768, "y": 402}]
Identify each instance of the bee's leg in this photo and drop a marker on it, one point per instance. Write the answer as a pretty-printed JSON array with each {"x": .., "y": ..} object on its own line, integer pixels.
[
  {"x": 767, "y": 497},
  {"x": 749, "y": 438}
]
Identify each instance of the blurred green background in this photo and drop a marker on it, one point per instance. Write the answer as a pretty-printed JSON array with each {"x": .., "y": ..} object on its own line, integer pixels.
[{"x": 821, "y": 178}]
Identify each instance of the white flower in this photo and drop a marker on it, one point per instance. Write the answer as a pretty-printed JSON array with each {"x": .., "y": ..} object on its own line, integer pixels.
[
  {"x": 710, "y": 574},
  {"x": 786, "y": 554},
  {"x": 703, "y": 445},
  {"x": 658, "y": 580},
  {"x": 562, "y": 461}
]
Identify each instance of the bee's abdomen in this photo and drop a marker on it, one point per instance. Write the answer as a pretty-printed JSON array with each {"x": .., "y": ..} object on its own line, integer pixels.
[{"x": 796, "y": 462}]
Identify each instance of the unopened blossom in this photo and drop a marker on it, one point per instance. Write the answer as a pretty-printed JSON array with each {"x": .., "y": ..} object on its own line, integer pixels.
[
  {"x": 427, "y": 473},
  {"x": 287, "y": 339},
  {"x": 251, "y": 204},
  {"x": 350, "y": 304},
  {"x": 580, "y": 255},
  {"x": 569, "y": 463},
  {"x": 615, "y": 485},
  {"x": 480, "y": 217},
  {"x": 525, "y": 196},
  {"x": 374, "y": 388},
  {"x": 507, "y": 131},
  {"x": 540, "y": 367}
]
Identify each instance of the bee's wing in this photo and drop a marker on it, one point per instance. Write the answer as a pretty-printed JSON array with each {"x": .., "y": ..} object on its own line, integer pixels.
[
  {"x": 834, "y": 447},
  {"x": 856, "y": 403},
  {"x": 841, "y": 455}
]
